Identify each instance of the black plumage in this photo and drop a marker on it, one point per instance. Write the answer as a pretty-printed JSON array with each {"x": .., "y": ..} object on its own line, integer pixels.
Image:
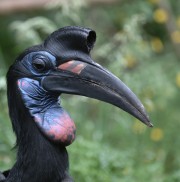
[{"x": 61, "y": 64}]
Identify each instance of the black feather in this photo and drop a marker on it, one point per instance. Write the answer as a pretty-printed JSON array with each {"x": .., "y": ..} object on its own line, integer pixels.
[{"x": 38, "y": 160}]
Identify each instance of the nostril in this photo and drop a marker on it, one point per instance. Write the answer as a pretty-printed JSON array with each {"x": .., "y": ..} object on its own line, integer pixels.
[{"x": 91, "y": 39}]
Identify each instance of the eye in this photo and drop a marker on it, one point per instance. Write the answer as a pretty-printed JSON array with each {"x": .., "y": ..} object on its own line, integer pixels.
[{"x": 39, "y": 64}]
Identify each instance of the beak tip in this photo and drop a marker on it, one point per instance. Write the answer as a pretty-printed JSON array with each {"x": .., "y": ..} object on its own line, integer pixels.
[{"x": 150, "y": 125}]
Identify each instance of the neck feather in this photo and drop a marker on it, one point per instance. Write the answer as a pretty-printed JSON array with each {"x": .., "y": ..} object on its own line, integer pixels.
[{"x": 38, "y": 159}]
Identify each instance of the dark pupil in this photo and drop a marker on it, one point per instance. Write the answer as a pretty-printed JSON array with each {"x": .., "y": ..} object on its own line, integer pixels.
[{"x": 39, "y": 64}]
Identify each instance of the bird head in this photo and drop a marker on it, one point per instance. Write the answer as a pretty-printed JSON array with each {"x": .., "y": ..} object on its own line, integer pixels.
[{"x": 62, "y": 64}]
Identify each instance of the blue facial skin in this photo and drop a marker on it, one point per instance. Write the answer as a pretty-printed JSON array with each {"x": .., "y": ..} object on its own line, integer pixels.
[
  {"x": 27, "y": 62},
  {"x": 44, "y": 107},
  {"x": 35, "y": 98}
]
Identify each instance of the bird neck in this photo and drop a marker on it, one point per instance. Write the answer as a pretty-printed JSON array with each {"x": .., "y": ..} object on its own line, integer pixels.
[
  {"x": 38, "y": 159},
  {"x": 52, "y": 120}
]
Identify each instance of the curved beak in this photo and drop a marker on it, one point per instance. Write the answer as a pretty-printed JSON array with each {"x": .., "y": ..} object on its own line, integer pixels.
[{"x": 92, "y": 80}]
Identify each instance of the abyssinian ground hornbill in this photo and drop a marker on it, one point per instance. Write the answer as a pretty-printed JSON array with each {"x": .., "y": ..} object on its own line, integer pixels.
[{"x": 61, "y": 64}]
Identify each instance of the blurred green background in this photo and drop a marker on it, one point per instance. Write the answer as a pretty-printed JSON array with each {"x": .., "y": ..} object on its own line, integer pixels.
[{"x": 137, "y": 40}]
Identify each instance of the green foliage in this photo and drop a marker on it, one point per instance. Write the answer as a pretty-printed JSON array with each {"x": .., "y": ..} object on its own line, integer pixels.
[
  {"x": 110, "y": 144},
  {"x": 6, "y": 135}
]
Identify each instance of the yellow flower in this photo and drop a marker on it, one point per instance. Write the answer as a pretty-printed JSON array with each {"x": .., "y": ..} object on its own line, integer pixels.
[
  {"x": 175, "y": 36},
  {"x": 138, "y": 128},
  {"x": 178, "y": 22},
  {"x": 160, "y": 16},
  {"x": 178, "y": 79},
  {"x": 130, "y": 61},
  {"x": 157, "y": 45},
  {"x": 156, "y": 134},
  {"x": 154, "y": 1}
]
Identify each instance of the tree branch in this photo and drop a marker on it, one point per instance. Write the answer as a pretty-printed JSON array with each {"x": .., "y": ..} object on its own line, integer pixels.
[{"x": 12, "y": 6}]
